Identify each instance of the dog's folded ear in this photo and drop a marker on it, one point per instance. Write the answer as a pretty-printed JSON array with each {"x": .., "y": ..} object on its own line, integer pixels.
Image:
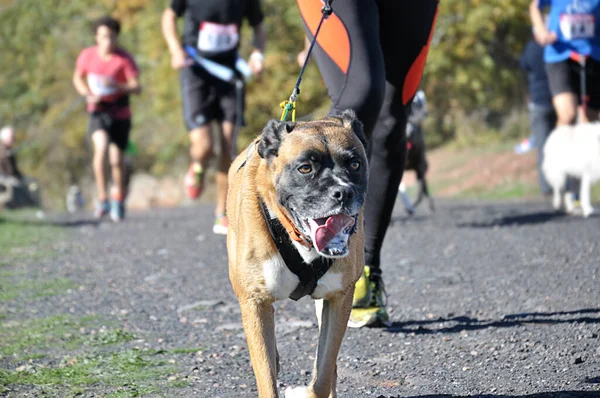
[
  {"x": 350, "y": 120},
  {"x": 271, "y": 138}
]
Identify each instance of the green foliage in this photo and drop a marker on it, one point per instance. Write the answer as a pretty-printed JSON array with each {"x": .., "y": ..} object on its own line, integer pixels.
[{"x": 471, "y": 75}]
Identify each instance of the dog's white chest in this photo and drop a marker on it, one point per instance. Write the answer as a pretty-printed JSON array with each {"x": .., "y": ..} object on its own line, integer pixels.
[
  {"x": 279, "y": 280},
  {"x": 329, "y": 283}
]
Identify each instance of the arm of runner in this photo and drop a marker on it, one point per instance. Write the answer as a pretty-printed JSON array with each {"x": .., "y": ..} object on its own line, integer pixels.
[
  {"x": 82, "y": 87},
  {"x": 542, "y": 35},
  {"x": 131, "y": 87},
  {"x": 256, "y": 60},
  {"x": 132, "y": 84},
  {"x": 169, "y": 30},
  {"x": 80, "y": 81}
]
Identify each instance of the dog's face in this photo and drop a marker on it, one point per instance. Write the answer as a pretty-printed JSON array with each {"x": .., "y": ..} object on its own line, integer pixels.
[{"x": 319, "y": 171}]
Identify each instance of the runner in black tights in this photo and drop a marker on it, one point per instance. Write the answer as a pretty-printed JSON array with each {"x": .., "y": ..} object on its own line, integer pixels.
[{"x": 371, "y": 55}]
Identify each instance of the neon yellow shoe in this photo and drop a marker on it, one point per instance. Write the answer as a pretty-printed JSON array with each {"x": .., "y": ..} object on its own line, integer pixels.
[
  {"x": 362, "y": 290},
  {"x": 369, "y": 286}
]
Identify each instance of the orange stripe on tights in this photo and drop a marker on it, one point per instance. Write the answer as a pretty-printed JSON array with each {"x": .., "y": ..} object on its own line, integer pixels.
[
  {"x": 333, "y": 37},
  {"x": 413, "y": 78}
]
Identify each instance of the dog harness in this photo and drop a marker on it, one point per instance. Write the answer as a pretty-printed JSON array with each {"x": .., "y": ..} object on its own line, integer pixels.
[{"x": 308, "y": 274}]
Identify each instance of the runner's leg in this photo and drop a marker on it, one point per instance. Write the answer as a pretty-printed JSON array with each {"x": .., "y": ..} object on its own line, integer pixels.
[
  {"x": 100, "y": 142},
  {"x": 404, "y": 61}
]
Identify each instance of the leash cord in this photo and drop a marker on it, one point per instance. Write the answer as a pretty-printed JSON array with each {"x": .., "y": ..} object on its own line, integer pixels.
[{"x": 290, "y": 104}]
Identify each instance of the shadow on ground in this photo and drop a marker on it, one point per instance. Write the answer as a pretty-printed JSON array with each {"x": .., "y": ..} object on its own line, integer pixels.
[
  {"x": 517, "y": 220},
  {"x": 487, "y": 215},
  {"x": 460, "y": 323},
  {"x": 54, "y": 223},
  {"x": 550, "y": 394}
]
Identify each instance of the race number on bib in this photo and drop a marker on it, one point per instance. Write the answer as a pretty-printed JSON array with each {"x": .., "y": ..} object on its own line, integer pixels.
[
  {"x": 217, "y": 38},
  {"x": 101, "y": 85},
  {"x": 577, "y": 26}
]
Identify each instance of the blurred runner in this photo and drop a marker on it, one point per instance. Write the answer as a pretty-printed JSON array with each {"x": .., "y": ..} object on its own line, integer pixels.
[
  {"x": 212, "y": 29},
  {"x": 106, "y": 75}
]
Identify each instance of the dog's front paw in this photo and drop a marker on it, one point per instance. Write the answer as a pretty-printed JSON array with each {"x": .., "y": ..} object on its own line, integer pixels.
[
  {"x": 587, "y": 211},
  {"x": 299, "y": 392}
]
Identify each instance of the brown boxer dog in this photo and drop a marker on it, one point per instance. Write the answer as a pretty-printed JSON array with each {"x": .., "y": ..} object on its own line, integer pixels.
[{"x": 295, "y": 228}]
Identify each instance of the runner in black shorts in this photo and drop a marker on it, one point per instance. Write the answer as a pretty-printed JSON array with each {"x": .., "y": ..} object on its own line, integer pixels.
[
  {"x": 212, "y": 29},
  {"x": 106, "y": 75},
  {"x": 371, "y": 54},
  {"x": 206, "y": 98},
  {"x": 117, "y": 130},
  {"x": 565, "y": 77}
]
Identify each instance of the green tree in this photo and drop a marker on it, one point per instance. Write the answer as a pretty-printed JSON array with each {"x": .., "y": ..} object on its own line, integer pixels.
[{"x": 472, "y": 69}]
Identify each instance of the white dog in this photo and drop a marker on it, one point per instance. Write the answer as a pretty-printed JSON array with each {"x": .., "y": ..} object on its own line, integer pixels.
[{"x": 573, "y": 151}]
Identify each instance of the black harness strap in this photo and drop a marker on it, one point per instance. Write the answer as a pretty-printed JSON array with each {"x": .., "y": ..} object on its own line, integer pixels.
[{"x": 308, "y": 274}]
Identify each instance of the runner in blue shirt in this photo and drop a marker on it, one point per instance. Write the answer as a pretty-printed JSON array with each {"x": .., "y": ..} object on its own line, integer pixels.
[{"x": 571, "y": 36}]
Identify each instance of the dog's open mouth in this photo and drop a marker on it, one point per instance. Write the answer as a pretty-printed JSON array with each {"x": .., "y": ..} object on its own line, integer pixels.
[{"x": 330, "y": 234}]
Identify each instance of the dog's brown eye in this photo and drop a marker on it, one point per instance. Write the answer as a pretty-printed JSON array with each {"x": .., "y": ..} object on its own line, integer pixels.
[
  {"x": 355, "y": 165},
  {"x": 305, "y": 169}
]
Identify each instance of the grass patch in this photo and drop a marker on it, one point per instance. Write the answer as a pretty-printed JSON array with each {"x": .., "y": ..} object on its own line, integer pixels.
[
  {"x": 23, "y": 341},
  {"x": 23, "y": 237},
  {"x": 511, "y": 191},
  {"x": 126, "y": 373},
  {"x": 504, "y": 192},
  {"x": 112, "y": 336},
  {"x": 458, "y": 165},
  {"x": 31, "y": 357},
  {"x": 178, "y": 383},
  {"x": 11, "y": 289},
  {"x": 65, "y": 356},
  {"x": 5, "y": 274},
  {"x": 132, "y": 391},
  {"x": 483, "y": 144},
  {"x": 52, "y": 287},
  {"x": 20, "y": 340},
  {"x": 184, "y": 350}
]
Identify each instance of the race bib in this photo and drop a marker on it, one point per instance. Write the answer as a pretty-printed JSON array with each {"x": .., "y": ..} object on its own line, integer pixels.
[
  {"x": 101, "y": 85},
  {"x": 217, "y": 38},
  {"x": 577, "y": 26}
]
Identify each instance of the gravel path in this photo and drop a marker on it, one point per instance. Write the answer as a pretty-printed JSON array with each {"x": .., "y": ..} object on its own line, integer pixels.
[{"x": 487, "y": 299}]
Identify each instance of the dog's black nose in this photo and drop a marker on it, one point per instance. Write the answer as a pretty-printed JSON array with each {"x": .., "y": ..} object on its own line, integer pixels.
[{"x": 342, "y": 193}]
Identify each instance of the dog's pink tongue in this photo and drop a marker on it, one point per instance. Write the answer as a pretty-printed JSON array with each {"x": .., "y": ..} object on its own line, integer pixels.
[{"x": 323, "y": 234}]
